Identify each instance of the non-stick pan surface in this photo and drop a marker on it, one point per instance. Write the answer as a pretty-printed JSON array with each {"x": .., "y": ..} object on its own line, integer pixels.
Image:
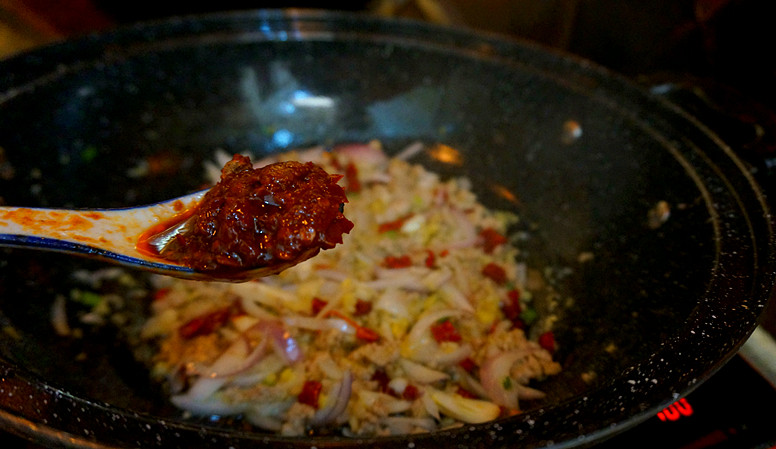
[{"x": 648, "y": 309}]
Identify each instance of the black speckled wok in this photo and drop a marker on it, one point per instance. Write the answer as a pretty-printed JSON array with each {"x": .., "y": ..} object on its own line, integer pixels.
[{"x": 650, "y": 308}]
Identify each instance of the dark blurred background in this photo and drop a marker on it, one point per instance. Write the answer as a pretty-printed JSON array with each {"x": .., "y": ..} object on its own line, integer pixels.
[
  {"x": 713, "y": 55},
  {"x": 727, "y": 40}
]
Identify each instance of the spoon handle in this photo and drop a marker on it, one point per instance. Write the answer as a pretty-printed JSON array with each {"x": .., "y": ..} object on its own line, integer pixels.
[{"x": 101, "y": 233}]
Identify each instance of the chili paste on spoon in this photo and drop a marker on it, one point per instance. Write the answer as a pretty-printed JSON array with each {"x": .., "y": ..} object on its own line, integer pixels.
[{"x": 267, "y": 218}]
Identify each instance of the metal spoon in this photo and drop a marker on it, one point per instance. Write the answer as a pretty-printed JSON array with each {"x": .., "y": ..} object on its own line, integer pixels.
[{"x": 112, "y": 235}]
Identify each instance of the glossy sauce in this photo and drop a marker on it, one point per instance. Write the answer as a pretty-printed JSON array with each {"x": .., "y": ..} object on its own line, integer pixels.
[{"x": 273, "y": 216}]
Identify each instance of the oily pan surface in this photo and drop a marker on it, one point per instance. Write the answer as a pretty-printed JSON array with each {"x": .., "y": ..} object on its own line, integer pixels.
[{"x": 631, "y": 312}]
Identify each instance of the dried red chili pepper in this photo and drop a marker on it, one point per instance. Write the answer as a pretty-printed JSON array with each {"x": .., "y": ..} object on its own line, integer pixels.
[
  {"x": 204, "y": 324},
  {"x": 366, "y": 334},
  {"x": 547, "y": 341},
  {"x": 397, "y": 261},
  {"x": 208, "y": 322},
  {"x": 461, "y": 391},
  {"x": 311, "y": 392},
  {"x": 362, "y": 307},
  {"x": 445, "y": 331},
  {"x": 410, "y": 393},
  {"x": 511, "y": 307},
  {"x": 430, "y": 259},
  {"x": 161, "y": 293},
  {"x": 491, "y": 239},
  {"x": 394, "y": 225},
  {"x": 468, "y": 365},
  {"x": 495, "y": 272},
  {"x": 382, "y": 379},
  {"x": 317, "y": 305},
  {"x": 363, "y": 333}
]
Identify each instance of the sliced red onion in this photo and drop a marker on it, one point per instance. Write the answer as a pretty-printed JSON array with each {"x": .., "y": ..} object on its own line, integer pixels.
[
  {"x": 437, "y": 279},
  {"x": 528, "y": 393},
  {"x": 410, "y": 278},
  {"x": 206, "y": 405},
  {"x": 393, "y": 301},
  {"x": 282, "y": 341},
  {"x": 249, "y": 361},
  {"x": 255, "y": 310},
  {"x": 449, "y": 358},
  {"x": 271, "y": 423},
  {"x": 410, "y": 151},
  {"x": 420, "y": 373},
  {"x": 456, "y": 298},
  {"x": 387, "y": 403},
  {"x": 430, "y": 406},
  {"x": 262, "y": 292},
  {"x": 332, "y": 275},
  {"x": 340, "y": 395},
  {"x": 59, "y": 316},
  {"x": 494, "y": 374},
  {"x": 198, "y": 398},
  {"x": 468, "y": 410},
  {"x": 319, "y": 324},
  {"x": 471, "y": 384},
  {"x": 407, "y": 282},
  {"x": 402, "y": 425},
  {"x": 365, "y": 153},
  {"x": 467, "y": 235}
]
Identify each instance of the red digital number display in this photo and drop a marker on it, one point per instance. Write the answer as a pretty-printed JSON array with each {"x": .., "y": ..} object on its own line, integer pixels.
[{"x": 676, "y": 411}]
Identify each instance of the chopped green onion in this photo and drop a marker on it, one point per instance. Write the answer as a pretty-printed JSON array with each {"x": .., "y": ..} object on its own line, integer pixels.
[
  {"x": 90, "y": 299},
  {"x": 529, "y": 315}
]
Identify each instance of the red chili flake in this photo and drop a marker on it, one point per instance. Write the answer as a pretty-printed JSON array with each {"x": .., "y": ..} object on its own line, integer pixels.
[
  {"x": 430, "y": 259},
  {"x": 205, "y": 324},
  {"x": 397, "y": 261},
  {"x": 410, "y": 393},
  {"x": 492, "y": 239},
  {"x": 161, "y": 293},
  {"x": 468, "y": 365},
  {"x": 547, "y": 341},
  {"x": 461, "y": 391},
  {"x": 444, "y": 253},
  {"x": 362, "y": 307},
  {"x": 511, "y": 306},
  {"x": 445, "y": 331},
  {"x": 366, "y": 334},
  {"x": 394, "y": 225},
  {"x": 382, "y": 379},
  {"x": 317, "y": 305},
  {"x": 495, "y": 272},
  {"x": 363, "y": 333},
  {"x": 351, "y": 176},
  {"x": 311, "y": 392},
  {"x": 236, "y": 308}
]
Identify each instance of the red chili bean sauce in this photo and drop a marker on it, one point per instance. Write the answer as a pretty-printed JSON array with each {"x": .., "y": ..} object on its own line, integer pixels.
[{"x": 274, "y": 216}]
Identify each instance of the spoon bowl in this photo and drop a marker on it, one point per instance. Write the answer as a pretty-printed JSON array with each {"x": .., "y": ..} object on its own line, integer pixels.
[{"x": 112, "y": 235}]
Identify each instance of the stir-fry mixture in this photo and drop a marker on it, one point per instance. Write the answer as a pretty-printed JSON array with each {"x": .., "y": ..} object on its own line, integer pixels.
[{"x": 416, "y": 322}]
